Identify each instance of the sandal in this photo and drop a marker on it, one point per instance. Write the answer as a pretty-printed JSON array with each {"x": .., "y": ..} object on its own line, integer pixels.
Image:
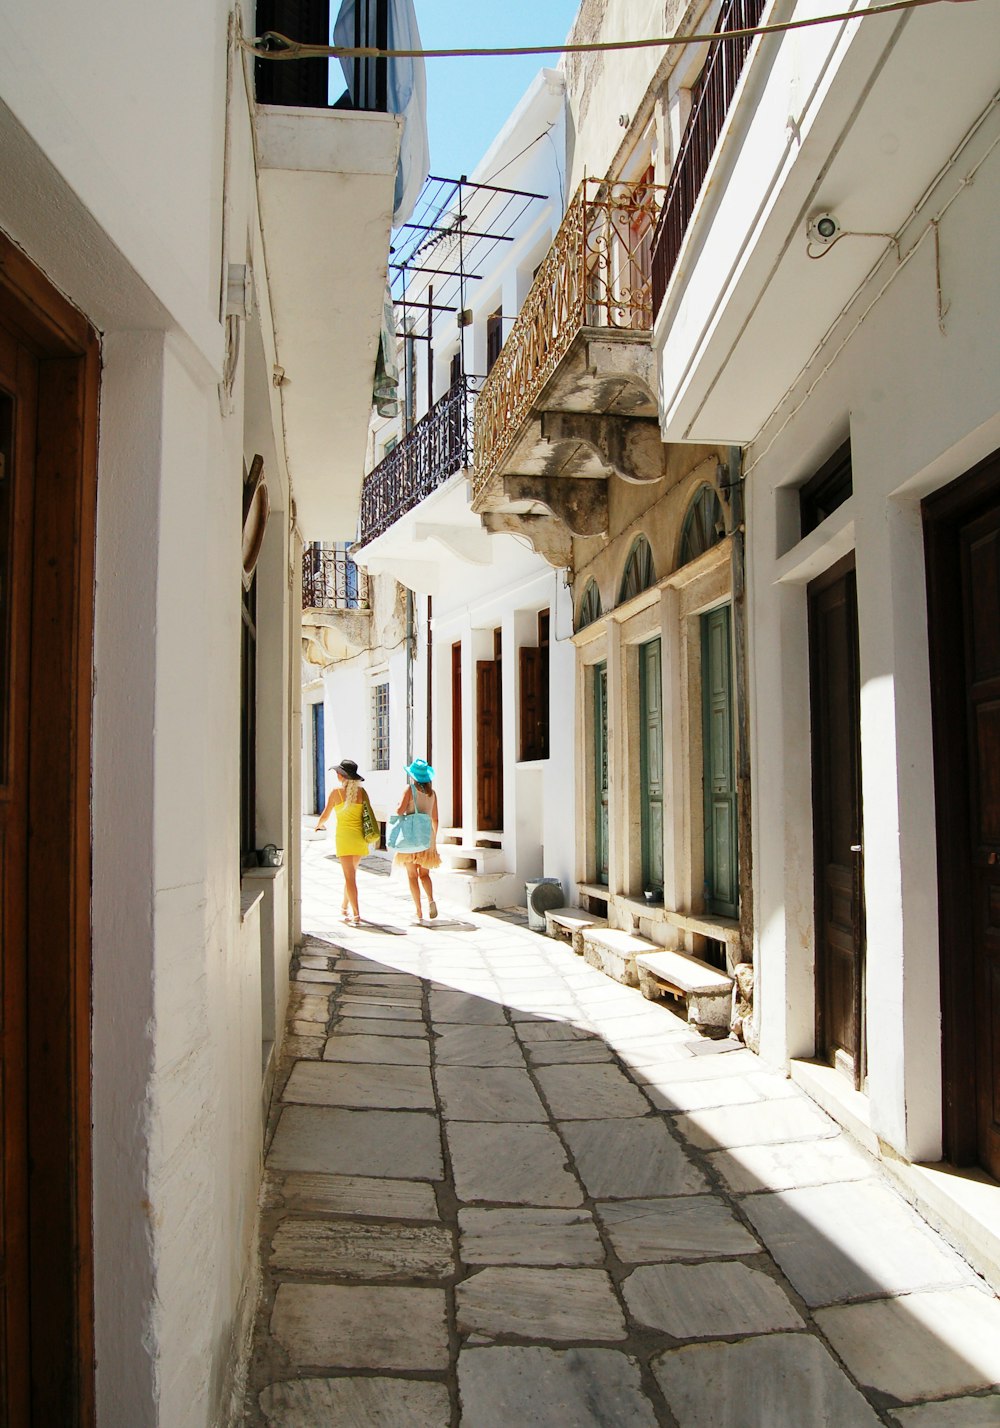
[{"x": 432, "y": 909}]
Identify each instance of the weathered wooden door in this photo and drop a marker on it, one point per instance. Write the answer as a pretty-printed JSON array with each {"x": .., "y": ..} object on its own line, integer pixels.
[
  {"x": 456, "y": 734},
  {"x": 601, "y": 773},
  {"x": 48, "y": 436},
  {"x": 980, "y": 555},
  {"x": 719, "y": 765},
  {"x": 18, "y": 419},
  {"x": 489, "y": 744},
  {"x": 962, "y": 533},
  {"x": 651, "y": 763},
  {"x": 837, "y": 832}
]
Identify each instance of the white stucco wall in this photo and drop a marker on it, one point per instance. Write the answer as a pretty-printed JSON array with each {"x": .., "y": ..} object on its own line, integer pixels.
[
  {"x": 113, "y": 135},
  {"x": 920, "y": 406}
]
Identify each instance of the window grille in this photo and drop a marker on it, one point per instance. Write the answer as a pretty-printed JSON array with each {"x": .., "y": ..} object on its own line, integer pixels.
[
  {"x": 640, "y": 572},
  {"x": 380, "y": 726},
  {"x": 704, "y": 525}
]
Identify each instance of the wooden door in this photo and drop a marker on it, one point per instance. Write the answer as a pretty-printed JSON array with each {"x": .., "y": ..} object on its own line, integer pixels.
[
  {"x": 980, "y": 557},
  {"x": 489, "y": 745},
  {"x": 837, "y": 832},
  {"x": 651, "y": 763},
  {"x": 601, "y": 773},
  {"x": 18, "y": 421},
  {"x": 456, "y": 734},
  {"x": 48, "y": 441},
  {"x": 962, "y": 535},
  {"x": 719, "y": 765}
]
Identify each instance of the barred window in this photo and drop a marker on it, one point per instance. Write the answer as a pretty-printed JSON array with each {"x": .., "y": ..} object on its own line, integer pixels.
[{"x": 380, "y": 726}]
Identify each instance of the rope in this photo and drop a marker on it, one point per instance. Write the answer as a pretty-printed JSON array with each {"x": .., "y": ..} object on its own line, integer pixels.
[{"x": 274, "y": 46}]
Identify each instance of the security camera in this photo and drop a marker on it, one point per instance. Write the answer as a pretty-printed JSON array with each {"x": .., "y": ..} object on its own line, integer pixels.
[{"x": 822, "y": 228}]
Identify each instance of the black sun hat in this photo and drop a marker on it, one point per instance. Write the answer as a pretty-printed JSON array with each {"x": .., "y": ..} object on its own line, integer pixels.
[{"x": 349, "y": 769}]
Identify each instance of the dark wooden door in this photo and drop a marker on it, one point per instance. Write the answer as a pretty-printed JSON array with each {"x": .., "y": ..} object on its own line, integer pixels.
[
  {"x": 489, "y": 745},
  {"x": 456, "y": 734},
  {"x": 836, "y": 755},
  {"x": 49, "y": 372},
  {"x": 980, "y": 558},
  {"x": 18, "y": 420},
  {"x": 962, "y": 534}
]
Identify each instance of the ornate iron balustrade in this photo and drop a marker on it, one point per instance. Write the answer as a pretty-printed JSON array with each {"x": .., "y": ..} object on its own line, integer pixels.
[
  {"x": 596, "y": 274},
  {"x": 331, "y": 580},
  {"x": 439, "y": 445},
  {"x": 710, "y": 102}
]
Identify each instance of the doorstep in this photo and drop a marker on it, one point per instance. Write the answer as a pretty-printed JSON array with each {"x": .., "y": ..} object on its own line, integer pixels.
[{"x": 962, "y": 1205}]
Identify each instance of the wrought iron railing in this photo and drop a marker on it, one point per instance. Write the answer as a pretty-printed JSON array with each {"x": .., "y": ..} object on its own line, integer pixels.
[
  {"x": 331, "y": 580},
  {"x": 439, "y": 445},
  {"x": 596, "y": 274},
  {"x": 711, "y": 98}
]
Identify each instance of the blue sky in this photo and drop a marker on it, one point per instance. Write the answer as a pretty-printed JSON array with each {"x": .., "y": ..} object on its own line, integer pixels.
[{"x": 469, "y": 99}]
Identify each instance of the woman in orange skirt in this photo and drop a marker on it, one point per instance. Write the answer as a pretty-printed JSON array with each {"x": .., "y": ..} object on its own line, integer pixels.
[{"x": 421, "y": 798}]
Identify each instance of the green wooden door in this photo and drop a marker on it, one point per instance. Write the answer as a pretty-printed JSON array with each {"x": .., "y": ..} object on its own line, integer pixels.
[
  {"x": 601, "y": 773},
  {"x": 651, "y": 763},
  {"x": 721, "y": 860}
]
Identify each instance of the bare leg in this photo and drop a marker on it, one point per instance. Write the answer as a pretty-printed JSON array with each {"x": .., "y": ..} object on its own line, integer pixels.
[
  {"x": 412, "y": 874},
  {"x": 428, "y": 887},
  {"x": 349, "y": 864}
]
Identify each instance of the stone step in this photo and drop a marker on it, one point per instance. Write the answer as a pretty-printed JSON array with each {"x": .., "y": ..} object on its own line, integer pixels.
[
  {"x": 568, "y": 924},
  {"x": 469, "y": 857},
  {"x": 706, "y": 992},
  {"x": 476, "y": 890},
  {"x": 614, "y": 952}
]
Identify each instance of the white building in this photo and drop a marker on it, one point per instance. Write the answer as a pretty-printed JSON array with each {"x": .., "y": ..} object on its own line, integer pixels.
[
  {"x": 467, "y": 660},
  {"x": 829, "y": 304},
  {"x": 185, "y": 276}
]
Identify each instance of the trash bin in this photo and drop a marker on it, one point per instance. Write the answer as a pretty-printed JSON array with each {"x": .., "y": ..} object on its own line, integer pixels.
[{"x": 541, "y": 895}]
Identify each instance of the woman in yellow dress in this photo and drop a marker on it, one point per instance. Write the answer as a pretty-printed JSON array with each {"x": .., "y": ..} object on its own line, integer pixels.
[
  {"x": 421, "y": 798},
  {"x": 347, "y": 802}
]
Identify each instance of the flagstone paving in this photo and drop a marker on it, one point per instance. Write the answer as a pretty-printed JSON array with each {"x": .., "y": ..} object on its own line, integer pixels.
[{"x": 502, "y": 1190}]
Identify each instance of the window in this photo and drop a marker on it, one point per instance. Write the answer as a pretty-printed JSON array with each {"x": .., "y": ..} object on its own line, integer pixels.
[
  {"x": 590, "y": 606},
  {"x": 639, "y": 573},
  {"x": 704, "y": 525},
  {"x": 380, "y": 726},
  {"x": 494, "y": 338},
  {"x": 828, "y": 489},
  {"x": 534, "y": 671}
]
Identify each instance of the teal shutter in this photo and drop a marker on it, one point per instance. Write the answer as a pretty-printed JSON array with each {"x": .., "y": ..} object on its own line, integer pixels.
[
  {"x": 651, "y": 763},
  {"x": 601, "y": 773},
  {"x": 721, "y": 860}
]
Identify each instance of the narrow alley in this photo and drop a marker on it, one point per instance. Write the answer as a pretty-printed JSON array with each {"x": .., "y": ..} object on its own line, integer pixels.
[{"x": 503, "y": 1190}]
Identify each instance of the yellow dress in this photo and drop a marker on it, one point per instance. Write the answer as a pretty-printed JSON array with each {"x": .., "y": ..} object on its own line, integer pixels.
[{"x": 350, "y": 839}]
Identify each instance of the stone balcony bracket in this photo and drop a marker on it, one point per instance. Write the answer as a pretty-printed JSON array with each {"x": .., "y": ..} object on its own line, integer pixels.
[
  {"x": 629, "y": 446},
  {"x": 548, "y": 536},
  {"x": 581, "y": 503}
]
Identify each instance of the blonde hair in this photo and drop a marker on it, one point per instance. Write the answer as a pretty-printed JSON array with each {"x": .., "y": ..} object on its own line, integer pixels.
[{"x": 352, "y": 791}]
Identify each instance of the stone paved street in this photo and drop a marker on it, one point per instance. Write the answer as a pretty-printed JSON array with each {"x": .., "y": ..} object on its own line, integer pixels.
[{"x": 502, "y": 1189}]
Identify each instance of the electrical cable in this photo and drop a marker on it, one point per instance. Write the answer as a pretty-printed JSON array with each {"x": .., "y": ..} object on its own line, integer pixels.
[{"x": 289, "y": 49}]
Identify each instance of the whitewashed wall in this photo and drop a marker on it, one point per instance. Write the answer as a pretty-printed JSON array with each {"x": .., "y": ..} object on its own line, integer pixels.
[{"x": 113, "y": 135}]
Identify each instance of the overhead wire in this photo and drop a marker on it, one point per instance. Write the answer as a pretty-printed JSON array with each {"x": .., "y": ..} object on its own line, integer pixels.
[{"x": 285, "y": 48}]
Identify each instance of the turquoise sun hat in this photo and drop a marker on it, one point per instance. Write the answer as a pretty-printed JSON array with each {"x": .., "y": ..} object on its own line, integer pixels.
[{"x": 420, "y": 771}]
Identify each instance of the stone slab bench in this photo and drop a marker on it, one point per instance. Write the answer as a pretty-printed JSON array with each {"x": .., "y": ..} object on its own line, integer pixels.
[
  {"x": 614, "y": 953},
  {"x": 706, "y": 992},
  {"x": 569, "y": 925}
]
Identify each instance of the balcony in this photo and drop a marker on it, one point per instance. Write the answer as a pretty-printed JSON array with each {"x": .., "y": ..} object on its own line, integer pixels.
[
  {"x": 331, "y": 580},
  {"x": 710, "y": 101},
  {"x": 336, "y": 609},
  {"x": 439, "y": 445},
  {"x": 571, "y": 400}
]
